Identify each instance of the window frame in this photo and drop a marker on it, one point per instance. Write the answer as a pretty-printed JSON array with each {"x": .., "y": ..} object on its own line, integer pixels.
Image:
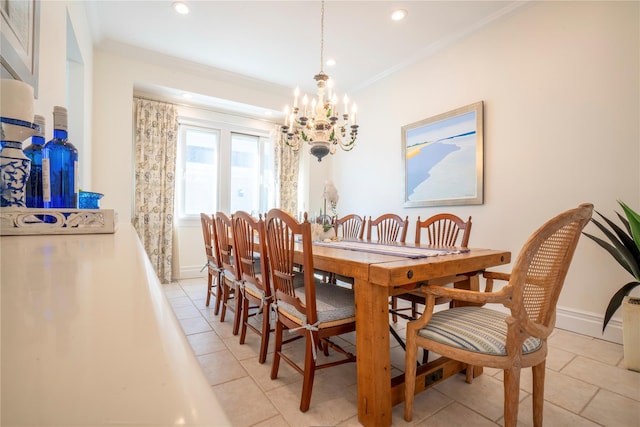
[{"x": 225, "y": 125}]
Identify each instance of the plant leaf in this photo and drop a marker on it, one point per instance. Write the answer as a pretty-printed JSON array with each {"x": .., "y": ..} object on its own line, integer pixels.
[
  {"x": 618, "y": 250},
  {"x": 616, "y": 301},
  {"x": 626, "y": 238},
  {"x": 612, "y": 251},
  {"x": 634, "y": 222}
]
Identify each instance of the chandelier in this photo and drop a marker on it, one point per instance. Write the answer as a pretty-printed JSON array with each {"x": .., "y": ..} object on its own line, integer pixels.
[{"x": 319, "y": 123}]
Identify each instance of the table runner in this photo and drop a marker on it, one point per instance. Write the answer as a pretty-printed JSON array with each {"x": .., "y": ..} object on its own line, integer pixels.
[{"x": 389, "y": 249}]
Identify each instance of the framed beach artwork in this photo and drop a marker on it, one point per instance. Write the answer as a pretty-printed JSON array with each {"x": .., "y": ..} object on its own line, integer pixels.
[{"x": 443, "y": 159}]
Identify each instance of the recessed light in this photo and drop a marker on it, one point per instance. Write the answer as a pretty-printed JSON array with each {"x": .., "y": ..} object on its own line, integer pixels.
[
  {"x": 181, "y": 8},
  {"x": 331, "y": 62},
  {"x": 399, "y": 15}
]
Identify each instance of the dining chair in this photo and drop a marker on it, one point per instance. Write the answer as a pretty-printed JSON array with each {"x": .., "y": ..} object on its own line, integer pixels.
[
  {"x": 389, "y": 228},
  {"x": 214, "y": 270},
  {"x": 480, "y": 336},
  {"x": 349, "y": 227},
  {"x": 440, "y": 230},
  {"x": 314, "y": 312},
  {"x": 231, "y": 297},
  {"x": 255, "y": 287}
]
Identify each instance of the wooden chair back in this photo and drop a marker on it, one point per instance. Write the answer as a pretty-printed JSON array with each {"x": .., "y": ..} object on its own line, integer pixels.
[
  {"x": 541, "y": 267},
  {"x": 251, "y": 251},
  {"x": 444, "y": 230},
  {"x": 389, "y": 228},
  {"x": 223, "y": 238},
  {"x": 213, "y": 264},
  {"x": 208, "y": 230},
  {"x": 350, "y": 227},
  {"x": 283, "y": 232}
]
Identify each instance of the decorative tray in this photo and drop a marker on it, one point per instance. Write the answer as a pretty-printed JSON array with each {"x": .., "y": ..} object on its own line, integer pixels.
[{"x": 27, "y": 221}]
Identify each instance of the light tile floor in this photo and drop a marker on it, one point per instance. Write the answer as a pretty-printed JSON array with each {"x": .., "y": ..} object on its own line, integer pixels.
[{"x": 586, "y": 383}]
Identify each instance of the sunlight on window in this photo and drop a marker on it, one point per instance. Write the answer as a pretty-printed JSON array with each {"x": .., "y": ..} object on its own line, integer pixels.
[{"x": 199, "y": 171}]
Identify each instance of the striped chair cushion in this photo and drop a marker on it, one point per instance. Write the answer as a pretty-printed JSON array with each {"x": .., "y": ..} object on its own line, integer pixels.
[{"x": 476, "y": 329}]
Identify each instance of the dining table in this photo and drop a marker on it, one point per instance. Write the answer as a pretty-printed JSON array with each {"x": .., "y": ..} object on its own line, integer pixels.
[{"x": 380, "y": 271}]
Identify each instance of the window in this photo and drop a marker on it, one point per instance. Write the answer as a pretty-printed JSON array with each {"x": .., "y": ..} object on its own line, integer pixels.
[
  {"x": 245, "y": 173},
  {"x": 223, "y": 166},
  {"x": 198, "y": 169}
]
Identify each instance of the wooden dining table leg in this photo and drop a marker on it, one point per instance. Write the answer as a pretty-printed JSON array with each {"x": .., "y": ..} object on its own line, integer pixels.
[{"x": 372, "y": 351}]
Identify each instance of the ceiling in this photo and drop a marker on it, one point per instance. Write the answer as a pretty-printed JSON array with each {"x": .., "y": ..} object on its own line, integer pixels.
[{"x": 279, "y": 41}]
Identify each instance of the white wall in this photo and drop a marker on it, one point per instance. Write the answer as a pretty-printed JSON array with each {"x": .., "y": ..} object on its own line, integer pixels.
[
  {"x": 52, "y": 74},
  {"x": 560, "y": 83}
]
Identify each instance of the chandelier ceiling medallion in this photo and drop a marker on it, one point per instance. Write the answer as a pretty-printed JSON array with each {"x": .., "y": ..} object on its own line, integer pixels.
[{"x": 319, "y": 124}]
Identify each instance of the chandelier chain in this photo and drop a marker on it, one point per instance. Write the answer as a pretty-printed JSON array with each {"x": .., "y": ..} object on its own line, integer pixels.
[{"x": 322, "y": 37}]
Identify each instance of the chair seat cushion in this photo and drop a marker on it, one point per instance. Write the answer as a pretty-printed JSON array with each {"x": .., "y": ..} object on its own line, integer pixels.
[
  {"x": 229, "y": 275},
  {"x": 334, "y": 304},
  {"x": 476, "y": 329},
  {"x": 253, "y": 290}
]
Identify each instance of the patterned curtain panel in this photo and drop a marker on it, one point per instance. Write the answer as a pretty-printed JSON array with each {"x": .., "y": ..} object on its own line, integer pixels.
[
  {"x": 287, "y": 166},
  {"x": 156, "y": 126}
]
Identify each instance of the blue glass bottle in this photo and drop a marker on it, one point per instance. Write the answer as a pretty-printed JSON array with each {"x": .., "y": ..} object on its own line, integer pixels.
[
  {"x": 60, "y": 159},
  {"x": 34, "y": 197}
]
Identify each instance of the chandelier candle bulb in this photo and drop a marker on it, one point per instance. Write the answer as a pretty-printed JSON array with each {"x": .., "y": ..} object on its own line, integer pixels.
[{"x": 305, "y": 101}]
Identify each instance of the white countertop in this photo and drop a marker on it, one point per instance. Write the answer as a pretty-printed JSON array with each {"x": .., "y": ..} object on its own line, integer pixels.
[{"x": 88, "y": 338}]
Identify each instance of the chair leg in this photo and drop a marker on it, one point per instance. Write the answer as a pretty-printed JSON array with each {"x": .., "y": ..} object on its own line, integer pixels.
[
  {"x": 266, "y": 330},
  {"x": 219, "y": 291},
  {"x": 225, "y": 298},
  {"x": 410, "y": 377},
  {"x": 538, "y": 393},
  {"x": 277, "y": 350},
  {"x": 511, "y": 396},
  {"x": 245, "y": 319},
  {"x": 209, "y": 286},
  {"x": 394, "y": 307},
  {"x": 469, "y": 374},
  {"x": 237, "y": 307},
  {"x": 309, "y": 372}
]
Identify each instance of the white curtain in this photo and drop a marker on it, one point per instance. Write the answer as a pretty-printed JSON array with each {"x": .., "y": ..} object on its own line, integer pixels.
[
  {"x": 156, "y": 133},
  {"x": 287, "y": 168}
]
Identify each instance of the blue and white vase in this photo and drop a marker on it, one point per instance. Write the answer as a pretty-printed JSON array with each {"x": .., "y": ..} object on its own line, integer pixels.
[{"x": 14, "y": 165}]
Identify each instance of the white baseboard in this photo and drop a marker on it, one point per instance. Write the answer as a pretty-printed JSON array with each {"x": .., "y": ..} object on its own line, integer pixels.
[
  {"x": 588, "y": 324},
  {"x": 192, "y": 272}
]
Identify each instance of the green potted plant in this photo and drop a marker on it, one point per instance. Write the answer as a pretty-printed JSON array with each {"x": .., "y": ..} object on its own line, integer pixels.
[{"x": 624, "y": 247}]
